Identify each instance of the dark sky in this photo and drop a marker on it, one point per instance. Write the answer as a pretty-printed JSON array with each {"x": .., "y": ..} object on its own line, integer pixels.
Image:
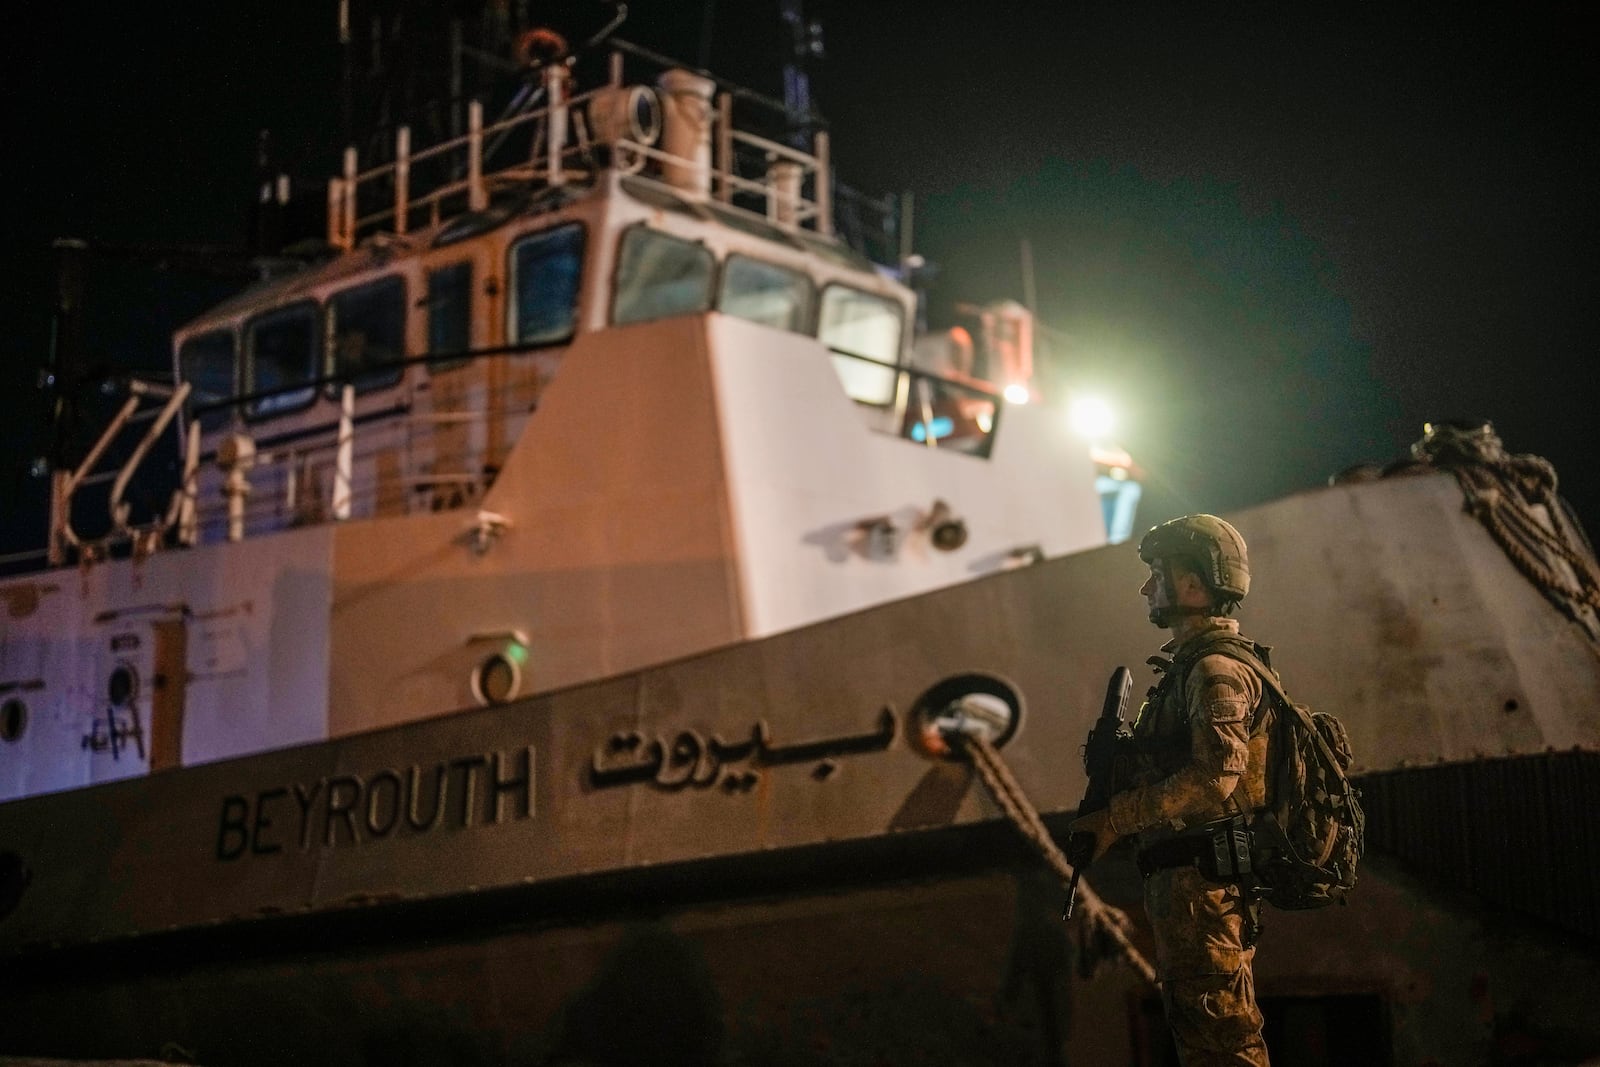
[{"x": 1279, "y": 239}]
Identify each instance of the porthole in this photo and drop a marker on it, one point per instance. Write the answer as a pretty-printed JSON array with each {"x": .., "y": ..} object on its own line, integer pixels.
[
  {"x": 122, "y": 686},
  {"x": 13, "y": 719},
  {"x": 496, "y": 680},
  {"x": 973, "y": 704}
]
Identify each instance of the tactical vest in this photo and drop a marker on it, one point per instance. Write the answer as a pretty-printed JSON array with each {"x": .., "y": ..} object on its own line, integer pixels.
[{"x": 1161, "y": 731}]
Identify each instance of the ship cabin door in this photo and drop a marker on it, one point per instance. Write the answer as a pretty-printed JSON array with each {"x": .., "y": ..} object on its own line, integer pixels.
[{"x": 134, "y": 721}]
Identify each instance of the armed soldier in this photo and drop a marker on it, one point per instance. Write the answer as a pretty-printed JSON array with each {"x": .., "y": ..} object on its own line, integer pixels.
[{"x": 1196, "y": 770}]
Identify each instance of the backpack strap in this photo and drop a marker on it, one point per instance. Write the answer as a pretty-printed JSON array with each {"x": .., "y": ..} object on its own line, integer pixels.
[
  {"x": 1235, "y": 648},
  {"x": 1245, "y": 652}
]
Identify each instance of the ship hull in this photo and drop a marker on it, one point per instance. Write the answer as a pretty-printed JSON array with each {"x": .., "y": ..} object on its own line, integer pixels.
[{"x": 745, "y": 856}]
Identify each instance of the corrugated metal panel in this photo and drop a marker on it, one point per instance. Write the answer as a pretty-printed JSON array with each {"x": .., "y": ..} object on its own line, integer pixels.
[{"x": 1519, "y": 831}]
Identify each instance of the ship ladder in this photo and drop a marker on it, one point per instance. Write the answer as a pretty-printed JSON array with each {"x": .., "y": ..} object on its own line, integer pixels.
[{"x": 1102, "y": 922}]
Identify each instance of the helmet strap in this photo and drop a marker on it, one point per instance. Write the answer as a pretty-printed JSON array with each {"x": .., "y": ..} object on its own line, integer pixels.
[{"x": 1167, "y": 617}]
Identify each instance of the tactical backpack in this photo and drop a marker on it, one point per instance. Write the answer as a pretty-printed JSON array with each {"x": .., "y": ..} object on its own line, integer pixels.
[{"x": 1307, "y": 843}]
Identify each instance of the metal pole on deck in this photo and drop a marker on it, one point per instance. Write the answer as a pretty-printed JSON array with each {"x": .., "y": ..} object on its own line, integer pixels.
[
  {"x": 349, "y": 199},
  {"x": 824, "y": 184},
  {"x": 477, "y": 196},
  {"x": 335, "y": 212},
  {"x": 556, "y": 143},
  {"x": 188, "y": 521},
  {"x": 346, "y": 453},
  {"x": 725, "y": 147},
  {"x": 402, "y": 178}
]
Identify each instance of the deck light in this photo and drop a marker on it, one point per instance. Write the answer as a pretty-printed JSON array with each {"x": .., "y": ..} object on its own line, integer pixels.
[{"x": 1091, "y": 418}]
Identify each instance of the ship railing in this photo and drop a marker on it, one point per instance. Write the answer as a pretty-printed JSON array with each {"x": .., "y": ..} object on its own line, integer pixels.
[
  {"x": 328, "y": 472},
  {"x": 319, "y": 475},
  {"x": 151, "y": 406},
  {"x": 934, "y": 410},
  {"x": 571, "y": 137}
]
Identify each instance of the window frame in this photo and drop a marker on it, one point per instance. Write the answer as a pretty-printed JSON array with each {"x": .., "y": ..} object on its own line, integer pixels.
[
  {"x": 394, "y": 373},
  {"x": 810, "y": 316},
  {"x": 513, "y": 291},
  {"x": 461, "y": 359},
  {"x": 713, "y": 276},
  {"x": 221, "y": 416},
  {"x": 893, "y": 366},
  {"x": 252, "y": 408}
]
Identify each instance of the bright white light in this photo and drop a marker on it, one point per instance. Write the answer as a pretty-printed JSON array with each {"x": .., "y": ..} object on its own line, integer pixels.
[
  {"x": 1091, "y": 417},
  {"x": 1016, "y": 393}
]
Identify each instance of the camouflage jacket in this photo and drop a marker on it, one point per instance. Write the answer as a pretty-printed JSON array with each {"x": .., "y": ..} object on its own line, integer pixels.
[{"x": 1199, "y": 751}]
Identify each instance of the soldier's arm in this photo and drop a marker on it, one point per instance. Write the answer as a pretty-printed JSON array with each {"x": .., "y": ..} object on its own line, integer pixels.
[{"x": 1220, "y": 693}]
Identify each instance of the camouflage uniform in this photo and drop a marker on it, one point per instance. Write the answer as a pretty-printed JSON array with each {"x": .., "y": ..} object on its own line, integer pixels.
[{"x": 1196, "y": 762}]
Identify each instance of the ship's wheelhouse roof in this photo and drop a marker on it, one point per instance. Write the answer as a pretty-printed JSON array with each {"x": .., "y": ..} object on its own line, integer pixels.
[{"x": 607, "y": 208}]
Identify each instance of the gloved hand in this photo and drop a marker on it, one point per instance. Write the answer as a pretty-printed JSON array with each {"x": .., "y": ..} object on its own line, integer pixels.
[{"x": 1097, "y": 823}]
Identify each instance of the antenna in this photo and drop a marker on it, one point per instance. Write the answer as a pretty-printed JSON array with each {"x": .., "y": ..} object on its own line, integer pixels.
[{"x": 806, "y": 38}]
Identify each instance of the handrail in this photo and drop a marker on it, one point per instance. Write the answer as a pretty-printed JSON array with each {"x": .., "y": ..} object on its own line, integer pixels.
[
  {"x": 112, "y": 429},
  {"x": 925, "y": 384},
  {"x": 119, "y": 508},
  {"x": 341, "y": 378},
  {"x": 563, "y": 127},
  {"x": 338, "y": 440},
  {"x": 469, "y": 355},
  {"x": 62, "y": 529}
]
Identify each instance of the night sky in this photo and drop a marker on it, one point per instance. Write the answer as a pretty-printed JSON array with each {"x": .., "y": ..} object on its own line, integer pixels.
[{"x": 1277, "y": 239}]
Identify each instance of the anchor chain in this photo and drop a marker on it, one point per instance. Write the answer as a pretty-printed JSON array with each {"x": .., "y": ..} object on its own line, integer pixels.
[{"x": 1100, "y": 919}]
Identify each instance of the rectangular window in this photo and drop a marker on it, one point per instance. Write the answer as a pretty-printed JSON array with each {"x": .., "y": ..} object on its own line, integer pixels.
[
  {"x": 368, "y": 327},
  {"x": 545, "y": 271},
  {"x": 207, "y": 363},
  {"x": 449, "y": 313},
  {"x": 281, "y": 357},
  {"x": 766, "y": 293},
  {"x": 659, "y": 275},
  {"x": 853, "y": 323}
]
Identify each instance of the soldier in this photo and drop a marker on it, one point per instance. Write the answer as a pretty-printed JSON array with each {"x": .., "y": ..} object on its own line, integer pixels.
[{"x": 1194, "y": 774}]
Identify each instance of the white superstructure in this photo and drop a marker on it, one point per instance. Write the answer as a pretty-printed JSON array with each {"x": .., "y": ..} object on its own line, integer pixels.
[{"x": 540, "y": 420}]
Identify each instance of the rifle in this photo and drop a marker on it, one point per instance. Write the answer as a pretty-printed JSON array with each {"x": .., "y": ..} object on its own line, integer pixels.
[{"x": 1099, "y": 755}]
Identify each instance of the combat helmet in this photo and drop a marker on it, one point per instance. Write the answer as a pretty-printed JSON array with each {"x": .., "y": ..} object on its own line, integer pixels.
[{"x": 1209, "y": 546}]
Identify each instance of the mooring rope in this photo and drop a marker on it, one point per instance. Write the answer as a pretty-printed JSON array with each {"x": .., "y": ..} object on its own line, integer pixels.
[
  {"x": 1502, "y": 492},
  {"x": 1101, "y": 920}
]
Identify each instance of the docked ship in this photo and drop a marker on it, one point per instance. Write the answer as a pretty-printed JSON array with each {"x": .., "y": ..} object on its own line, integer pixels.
[{"x": 536, "y": 657}]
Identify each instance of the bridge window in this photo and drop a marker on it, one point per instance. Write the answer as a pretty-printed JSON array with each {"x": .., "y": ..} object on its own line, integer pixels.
[
  {"x": 207, "y": 363},
  {"x": 368, "y": 325},
  {"x": 545, "y": 271},
  {"x": 449, "y": 313},
  {"x": 766, "y": 293},
  {"x": 659, "y": 275},
  {"x": 857, "y": 324},
  {"x": 281, "y": 353}
]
